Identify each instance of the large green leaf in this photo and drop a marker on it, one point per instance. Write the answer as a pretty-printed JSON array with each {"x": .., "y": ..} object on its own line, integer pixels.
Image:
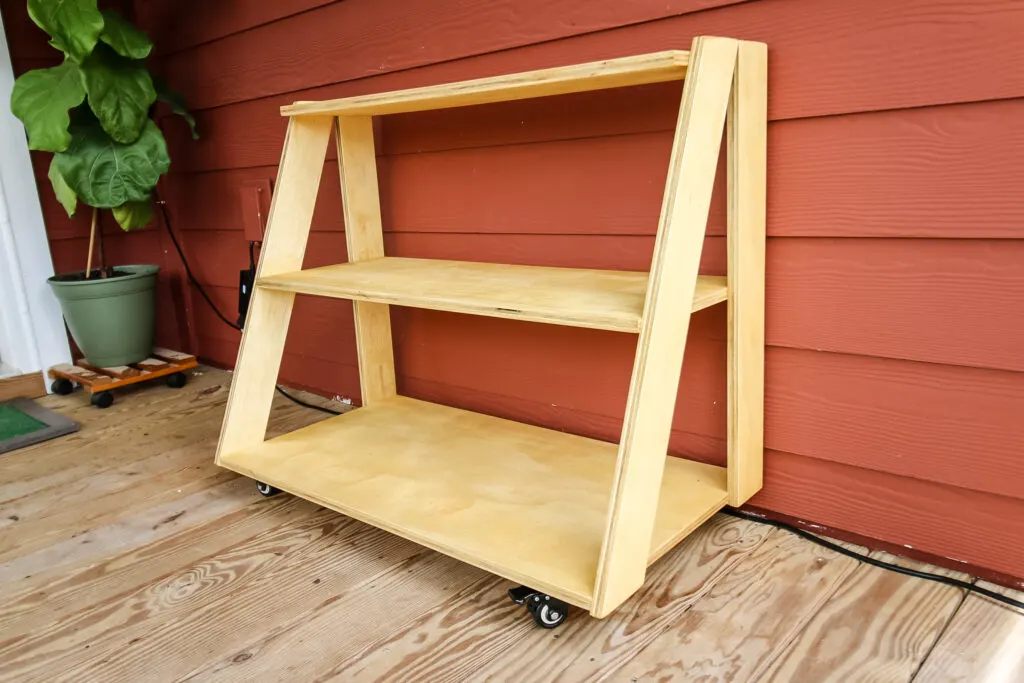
[
  {"x": 176, "y": 100},
  {"x": 105, "y": 173},
  {"x": 42, "y": 99},
  {"x": 65, "y": 195},
  {"x": 134, "y": 215},
  {"x": 74, "y": 25},
  {"x": 121, "y": 35},
  {"x": 120, "y": 92}
]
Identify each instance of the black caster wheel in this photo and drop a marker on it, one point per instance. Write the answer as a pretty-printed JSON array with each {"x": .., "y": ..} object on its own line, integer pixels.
[
  {"x": 177, "y": 380},
  {"x": 62, "y": 387},
  {"x": 547, "y": 612},
  {"x": 102, "y": 399},
  {"x": 266, "y": 490}
]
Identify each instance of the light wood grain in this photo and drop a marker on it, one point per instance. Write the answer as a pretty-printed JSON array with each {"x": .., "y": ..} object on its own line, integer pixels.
[
  {"x": 600, "y": 299},
  {"x": 39, "y": 600},
  {"x": 46, "y": 474},
  {"x": 593, "y": 649},
  {"x": 479, "y": 621},
  {"x": 259, "y": 356},
  {"x": 35, "y": 534},
  {"x": 666, "y": 321},
  {"x": 611, "y": 73},
  {"x": 29, "y": 385},
  {"x": 878, "y": 626},
  {"x": 527, "y": 503},
  {"x": 297, "y": 650},
  {"x": 747, "y": 133},
  {"x": 734, "y": 628},
  {"x": 984, "y": 643},
  {"x": 189, "y": 588},
  {"x": 341, "y": 555},
  {"x": 364, "y": 239}
]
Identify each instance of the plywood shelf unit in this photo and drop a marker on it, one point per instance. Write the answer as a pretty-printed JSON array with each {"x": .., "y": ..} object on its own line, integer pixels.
[{"x": 576, "y": 518}]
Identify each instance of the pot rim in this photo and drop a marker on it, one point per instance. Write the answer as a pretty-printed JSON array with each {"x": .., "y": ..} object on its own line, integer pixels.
[{"x": 138, "y": 271}]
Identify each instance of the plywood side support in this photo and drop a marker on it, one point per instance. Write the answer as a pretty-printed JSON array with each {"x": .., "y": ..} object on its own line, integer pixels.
[
  {"x": 747, "y": 137},
  {"x": 364, "y": 238},
  {"x": 291, "y": 213},
  {"x": 673, "y": 279}
]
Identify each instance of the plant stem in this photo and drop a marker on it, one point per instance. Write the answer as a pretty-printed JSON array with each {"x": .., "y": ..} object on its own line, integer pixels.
[
  {"x": 92, "y": 239},
  {"x": 99, "y": 243}
]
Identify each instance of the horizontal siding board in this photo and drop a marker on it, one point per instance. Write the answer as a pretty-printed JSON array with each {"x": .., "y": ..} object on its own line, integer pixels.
[
  {"x": 953, "y": 425},
  {"x": 297, "y": 371},
  {"x": 174, "y": 25},
  {"x": 957, "y": 523},
  {"x": 598, "y": 113},
  {"x": 564, "y": 187},
  {"x": 951, "y": 171},
  {"x": 818, "y": 61},
  {"x": 320, "y": 328},
  {"x": 958, "y": 302},
  {"x": 948, "y": 172},
  {"x": 354, "y": 39}
]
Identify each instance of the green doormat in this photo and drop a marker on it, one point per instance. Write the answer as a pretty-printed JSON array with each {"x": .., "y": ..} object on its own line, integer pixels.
[{"x": 23, "y": 423}]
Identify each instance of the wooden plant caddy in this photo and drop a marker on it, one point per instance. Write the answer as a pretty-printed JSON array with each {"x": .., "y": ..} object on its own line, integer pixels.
[
  {"x": 575, "y": 519},
  {"x": 99, "y": 382}
]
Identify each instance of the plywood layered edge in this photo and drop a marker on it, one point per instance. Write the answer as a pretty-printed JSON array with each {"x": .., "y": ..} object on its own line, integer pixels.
[
  {"x": 597, "y": 299},
  {"x": 666, "y": 320},
  {"x": 610, "y": 73}
]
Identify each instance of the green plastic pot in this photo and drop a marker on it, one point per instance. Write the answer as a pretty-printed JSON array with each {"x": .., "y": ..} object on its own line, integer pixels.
[{"x": 112, "y": 320}]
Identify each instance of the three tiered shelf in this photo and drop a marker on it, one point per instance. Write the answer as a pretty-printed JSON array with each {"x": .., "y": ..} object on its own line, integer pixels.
[{"x": 575, "y": 519}]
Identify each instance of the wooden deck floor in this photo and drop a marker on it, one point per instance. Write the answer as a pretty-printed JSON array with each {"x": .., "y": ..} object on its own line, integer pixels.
[{"x": 125, "y": 555}]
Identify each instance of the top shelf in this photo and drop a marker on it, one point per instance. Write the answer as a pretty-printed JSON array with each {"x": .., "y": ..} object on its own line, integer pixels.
[{"x": 610, "y": 73}]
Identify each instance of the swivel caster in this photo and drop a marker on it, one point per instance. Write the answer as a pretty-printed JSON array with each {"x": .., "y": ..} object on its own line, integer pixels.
[
  {"x": 547, "y": 612},
  {"x": 62, "y": 387},
  {"x": 102, "y": 399},
  {"x": 266, "y": 490},
  {"x": 177, "y": 380}
]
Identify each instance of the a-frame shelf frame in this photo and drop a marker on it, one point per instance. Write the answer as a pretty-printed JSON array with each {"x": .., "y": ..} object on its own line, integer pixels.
[{"x": 576, "y": 518}]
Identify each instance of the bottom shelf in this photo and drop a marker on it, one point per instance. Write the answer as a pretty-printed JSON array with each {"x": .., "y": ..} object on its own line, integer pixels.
[{"x": 523, "y": 502}]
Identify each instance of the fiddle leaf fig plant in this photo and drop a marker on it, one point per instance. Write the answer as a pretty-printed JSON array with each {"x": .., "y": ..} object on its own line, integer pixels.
[{"x": 94, "y": 111}]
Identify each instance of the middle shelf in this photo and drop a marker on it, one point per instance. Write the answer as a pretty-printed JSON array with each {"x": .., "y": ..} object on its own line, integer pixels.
[{"x": 600, "y": 299}]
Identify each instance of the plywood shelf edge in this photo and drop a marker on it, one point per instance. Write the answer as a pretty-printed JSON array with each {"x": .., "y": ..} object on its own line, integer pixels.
[{"x": 610, "y": 73}]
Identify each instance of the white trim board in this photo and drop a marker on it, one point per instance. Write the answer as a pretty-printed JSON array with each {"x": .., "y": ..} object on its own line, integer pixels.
[{"x": 32, "y": 335}]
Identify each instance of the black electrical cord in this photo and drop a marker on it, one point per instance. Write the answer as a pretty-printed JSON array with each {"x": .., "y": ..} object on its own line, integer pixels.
[
  {"x": 1005, "y": 599},
  {"x": 303, "y": 403},
  {"x": 213, "y": 306},
  {"x": 188, "y": 271}
]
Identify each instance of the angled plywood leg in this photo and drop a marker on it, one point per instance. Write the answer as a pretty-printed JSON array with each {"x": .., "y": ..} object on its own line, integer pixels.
[
  {"x": 364, "y": 238},
  {"x": 673, "y": 280},
  {"x": 259, "y": 356},
  {"x": 747, "y": 134}
]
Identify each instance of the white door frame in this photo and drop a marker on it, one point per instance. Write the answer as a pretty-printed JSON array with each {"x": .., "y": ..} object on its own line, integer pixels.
[{"x": 32, "y": 335}]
